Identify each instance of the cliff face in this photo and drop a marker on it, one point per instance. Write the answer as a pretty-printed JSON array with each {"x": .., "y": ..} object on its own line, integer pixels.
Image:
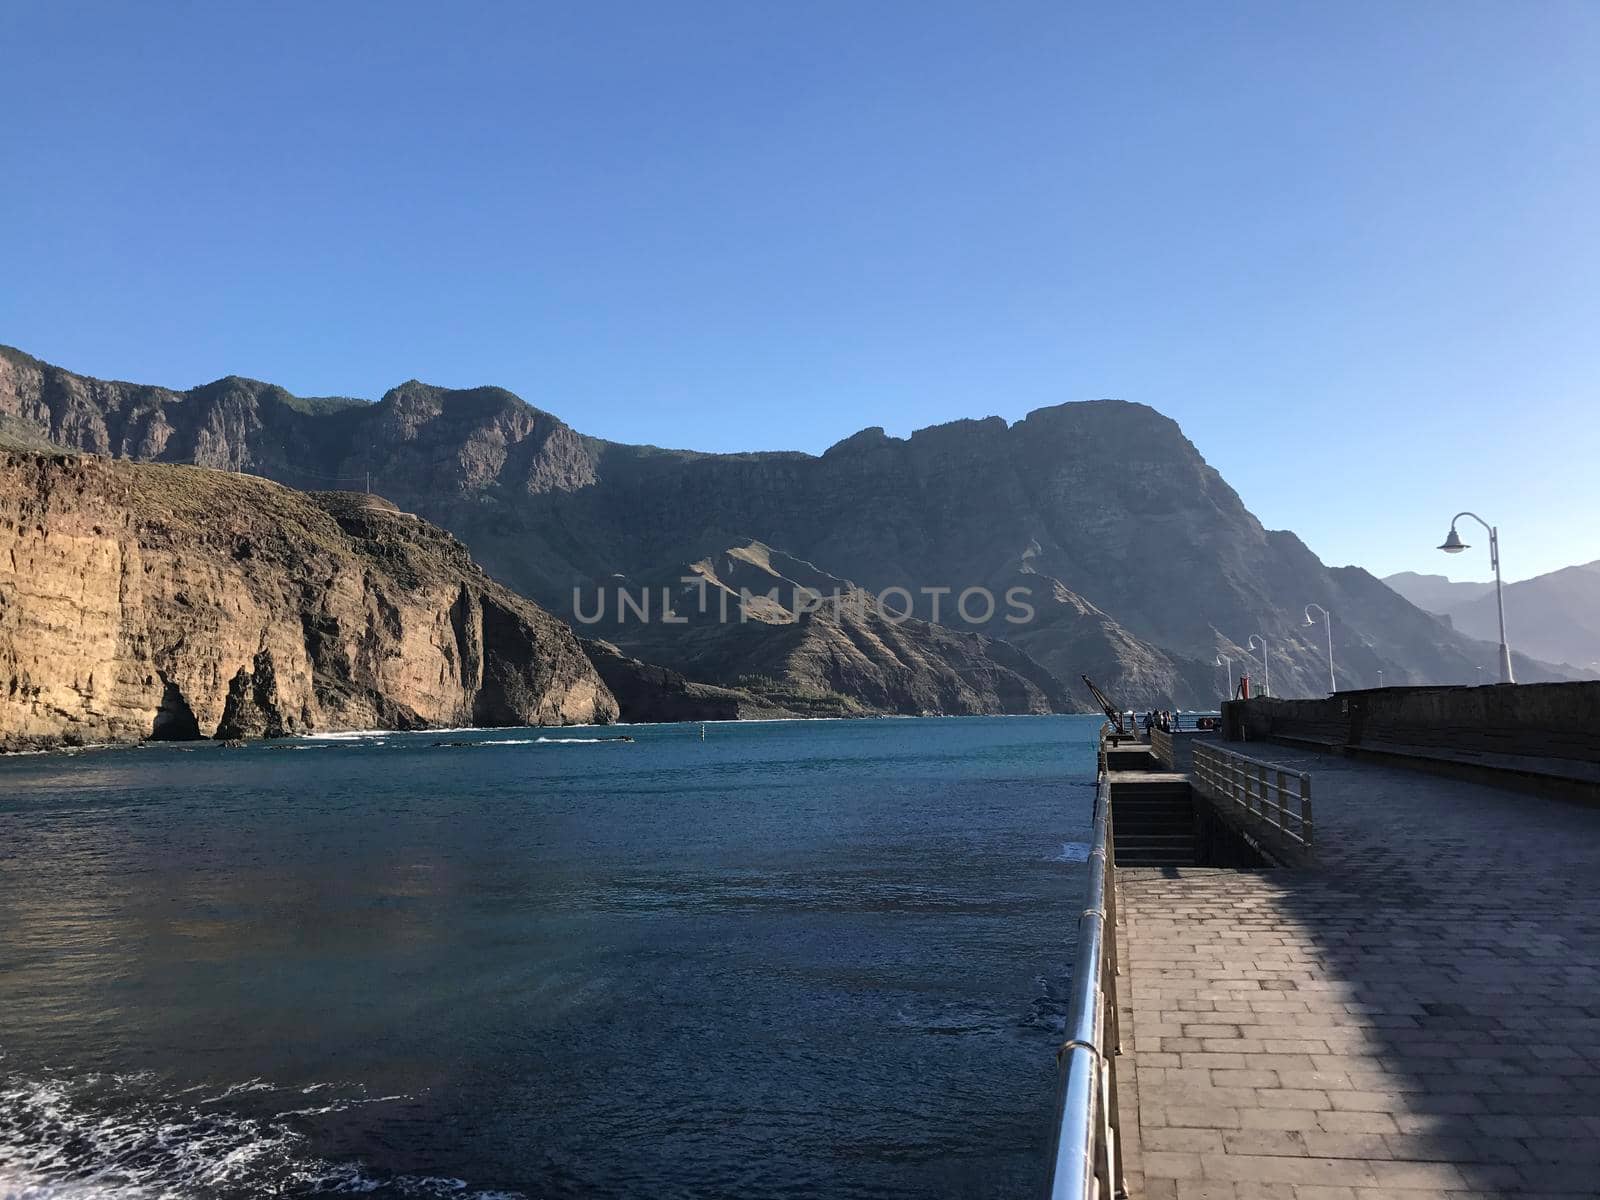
[
  {"x": 174, "y": 602},
  {"x": 1141, "y": 561}
]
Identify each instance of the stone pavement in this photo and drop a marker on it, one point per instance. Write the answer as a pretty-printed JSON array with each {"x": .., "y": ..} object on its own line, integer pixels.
[{"x": 1416, "y": 1015}]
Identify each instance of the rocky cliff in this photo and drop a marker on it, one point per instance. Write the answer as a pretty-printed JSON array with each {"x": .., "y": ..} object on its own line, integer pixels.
[
  {"x": 1142, "y": 563},
  {"x": 175, "y": 602}
]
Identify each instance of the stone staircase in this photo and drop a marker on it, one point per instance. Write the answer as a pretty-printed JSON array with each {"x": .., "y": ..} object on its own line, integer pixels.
[
  {"x": 1154, "y": 821},
  {"x": 1153, "y": 814}
]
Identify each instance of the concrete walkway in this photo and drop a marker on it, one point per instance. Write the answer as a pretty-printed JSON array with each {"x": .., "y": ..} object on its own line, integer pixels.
[{"x": 1417, "y": 1015}]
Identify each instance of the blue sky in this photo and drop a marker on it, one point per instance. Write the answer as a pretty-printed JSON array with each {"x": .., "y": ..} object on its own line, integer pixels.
[{"x": 1353, "y": 248}]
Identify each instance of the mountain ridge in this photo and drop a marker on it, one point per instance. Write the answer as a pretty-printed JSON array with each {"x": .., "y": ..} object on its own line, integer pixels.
[
  {"x": 1103, "y": 506},
  {"x": 1554, "y": 616}
]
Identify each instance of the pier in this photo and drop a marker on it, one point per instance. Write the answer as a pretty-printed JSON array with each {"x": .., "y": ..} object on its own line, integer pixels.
[{"x": 1365, "y": 980}]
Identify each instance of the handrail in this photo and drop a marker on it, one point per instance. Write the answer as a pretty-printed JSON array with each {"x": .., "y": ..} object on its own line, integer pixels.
[
  {"x": 1084, "y": 1156},
  {"x": 1259, "y": 791}
]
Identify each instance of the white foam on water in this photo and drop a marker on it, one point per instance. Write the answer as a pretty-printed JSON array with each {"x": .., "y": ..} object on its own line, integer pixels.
[
  {"x": 19, "y": 1185},
  {"x": 338, "y": 1106},
  {"x": 60, "y": 1139},
  {"x": 241, "y": 1089},
  {"x": 1072, "y": 852},
  {"x": 542, "y": 741}
]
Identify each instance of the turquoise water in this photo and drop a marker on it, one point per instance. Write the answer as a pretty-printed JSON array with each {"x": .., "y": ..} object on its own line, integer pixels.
[{"x": 794, "y": 959}]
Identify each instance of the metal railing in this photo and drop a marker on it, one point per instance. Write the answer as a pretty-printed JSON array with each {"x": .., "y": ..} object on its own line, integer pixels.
[
  {"x": 1085, "y": 1162},
  {"x": 1161, "y": 744},
  {"x": 1266, "y": 796}
]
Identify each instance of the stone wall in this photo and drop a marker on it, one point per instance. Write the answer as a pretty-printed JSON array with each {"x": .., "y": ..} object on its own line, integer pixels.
[{"x": 1548, "y": 728}]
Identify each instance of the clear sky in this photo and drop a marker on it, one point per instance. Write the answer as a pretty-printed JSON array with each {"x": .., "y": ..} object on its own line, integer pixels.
[{"x": 1353, "y": 247}]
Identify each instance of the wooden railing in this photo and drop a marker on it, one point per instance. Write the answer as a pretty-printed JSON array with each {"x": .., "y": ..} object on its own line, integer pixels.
[{"x": 1265, "y": 797}]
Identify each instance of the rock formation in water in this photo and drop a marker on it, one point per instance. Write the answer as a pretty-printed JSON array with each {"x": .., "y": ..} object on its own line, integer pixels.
[
  {"x": 141, "y": 601},
  {"x": 1142, "y": 562}
]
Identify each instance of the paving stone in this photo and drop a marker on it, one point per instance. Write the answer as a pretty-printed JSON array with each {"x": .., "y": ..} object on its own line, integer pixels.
[
  {"x": 1203, "y": 1117},
  {"x": 1337, "y": 1121},
  {"x": 1273, "y": 1168},
  {"x": 1182, "y": 1138},
  {"x": 1172, "y": 1164},
  {"x": 1264, "y": 1141},
  {"x": 1291, "y": 1098},
  {"x": 1277, "y": 1118},
  {"x": 1416, "y": 1014}
]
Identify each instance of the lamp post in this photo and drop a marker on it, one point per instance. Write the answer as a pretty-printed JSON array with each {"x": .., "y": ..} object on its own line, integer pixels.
[
  {"x": 1327, "y": 619},
  {"x": 1454, "y": 545},
  {"x": 1224, "y": 660},
  {"x": 1266, "y": 666}
]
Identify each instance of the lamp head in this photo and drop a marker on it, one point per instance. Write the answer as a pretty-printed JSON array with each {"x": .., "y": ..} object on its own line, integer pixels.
[{"x": 1453, "y": 543}]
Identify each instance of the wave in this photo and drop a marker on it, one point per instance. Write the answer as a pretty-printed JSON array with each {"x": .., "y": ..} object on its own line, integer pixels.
[
  {"x": 77, "y": 1139},
  {"x": 1073, "y": 852},
  {"x": 356, "y": 735},
  {"x": 380, "y": 736}
]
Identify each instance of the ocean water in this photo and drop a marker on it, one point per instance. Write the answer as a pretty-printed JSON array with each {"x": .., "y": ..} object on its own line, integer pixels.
[{"x": 802, "y": 959}]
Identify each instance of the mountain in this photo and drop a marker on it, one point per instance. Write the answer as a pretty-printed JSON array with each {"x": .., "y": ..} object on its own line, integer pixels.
[
  {"x": 650, "y": 693},
  {"x": 142, "y": 601},
  {"x": 752, "y": 617},
  {"x": 1133, "y": 556},
  {"x": 1437, "y": 593},
  {"x": 1555, "y": 616}
]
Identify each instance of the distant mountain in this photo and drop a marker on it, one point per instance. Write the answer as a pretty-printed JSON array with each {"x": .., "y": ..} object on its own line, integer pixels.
[
  {"x": 1554, "y": 616},
  {"x": 1437, "y": 593},
  {"x": 1137, "y": 560}
]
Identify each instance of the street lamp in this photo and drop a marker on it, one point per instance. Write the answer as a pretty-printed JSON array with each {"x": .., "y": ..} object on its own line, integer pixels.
[
  {"x": 1266, "y": 666},
  {"x": 1327, "y": 619},
  {"x": 1224, "y": 660},
  {"x": 1454, "y": 545}
]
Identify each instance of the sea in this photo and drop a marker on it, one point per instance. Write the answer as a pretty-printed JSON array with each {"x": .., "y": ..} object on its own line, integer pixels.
[{"x": 756, "y": 959}]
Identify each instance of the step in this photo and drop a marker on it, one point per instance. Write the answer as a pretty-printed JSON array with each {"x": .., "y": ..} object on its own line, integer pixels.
[
  {"x": 1153, "y": 859},
  {"x": 1129, "y": 812},
  {"x": 1151, "y": 840},
  {"x": 1152, "y": 783}
]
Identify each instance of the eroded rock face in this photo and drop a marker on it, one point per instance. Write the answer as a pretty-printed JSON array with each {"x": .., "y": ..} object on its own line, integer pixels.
[{"x": 142, "y": 601}]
